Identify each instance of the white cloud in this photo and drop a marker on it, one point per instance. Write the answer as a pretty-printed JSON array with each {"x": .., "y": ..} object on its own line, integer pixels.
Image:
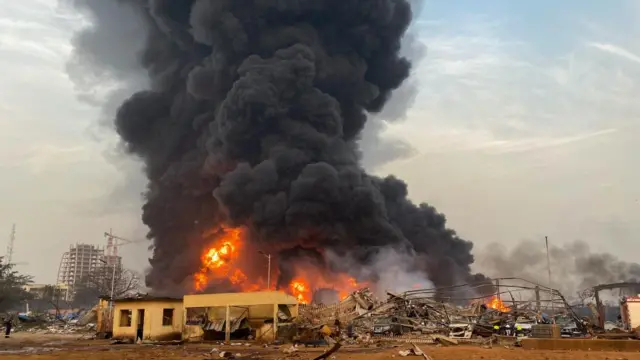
[
  {"x": 497, "y": 91},
  {"x": 616, "y": 50},
  {"x": 515, "y": 141}
]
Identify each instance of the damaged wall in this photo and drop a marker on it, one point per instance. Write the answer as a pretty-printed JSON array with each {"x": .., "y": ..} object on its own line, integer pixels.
[
  {"x": 258, "y": 308},
  {"x": 153, "y": 328}
]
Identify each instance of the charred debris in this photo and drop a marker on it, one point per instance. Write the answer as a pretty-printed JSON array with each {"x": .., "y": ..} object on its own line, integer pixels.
[{"x": 517, "y": 308}]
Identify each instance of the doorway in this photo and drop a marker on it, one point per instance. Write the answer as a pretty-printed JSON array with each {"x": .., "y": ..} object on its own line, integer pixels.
[{"x": 140, "y": 325}]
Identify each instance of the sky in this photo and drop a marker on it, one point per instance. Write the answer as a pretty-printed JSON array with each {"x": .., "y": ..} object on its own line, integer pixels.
[{"x": 523, "y": 126}]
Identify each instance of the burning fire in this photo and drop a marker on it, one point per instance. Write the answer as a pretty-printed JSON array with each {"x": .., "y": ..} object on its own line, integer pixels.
[
  {"x": 497, "y": 304},
  {"x": 220, "y": 262},
  {"x": 300, "y": 290},
  {"x": 343, "y": 285}
]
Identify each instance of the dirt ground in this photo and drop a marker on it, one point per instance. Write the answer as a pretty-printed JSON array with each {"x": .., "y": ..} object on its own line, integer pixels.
[{"x": 43, "y": 347}]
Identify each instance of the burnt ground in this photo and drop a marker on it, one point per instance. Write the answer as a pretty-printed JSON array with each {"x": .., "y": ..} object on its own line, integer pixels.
[{"x": 49, "y": 347}]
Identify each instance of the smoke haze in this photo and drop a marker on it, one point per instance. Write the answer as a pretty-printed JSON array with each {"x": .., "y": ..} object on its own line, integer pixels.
[
  {"x": 573, "y": 266},
  {"x": 391, "y": 270},
  {"x": 252, "y": 115}
]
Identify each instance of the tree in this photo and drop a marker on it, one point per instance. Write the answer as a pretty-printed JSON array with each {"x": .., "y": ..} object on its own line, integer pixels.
[
  {"x": 12, "y": 293},
  {"x": 47, "y": 297},
  {"x": 53, "y": 294},
  {"x": 50, "y": 296},
  {"x": 99, "y": 282}
]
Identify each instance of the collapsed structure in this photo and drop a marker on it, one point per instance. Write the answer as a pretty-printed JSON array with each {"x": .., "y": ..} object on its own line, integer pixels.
[
  {"x": 426, "y": 311},
  {"x": 518, "y": 309}
]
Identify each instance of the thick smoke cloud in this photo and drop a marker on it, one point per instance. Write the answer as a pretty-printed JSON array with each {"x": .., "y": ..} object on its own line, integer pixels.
[
  {"x": 574, "y": 267},
  {"x": 252, "y": 118},
  {"x": 377, "y": 149}
]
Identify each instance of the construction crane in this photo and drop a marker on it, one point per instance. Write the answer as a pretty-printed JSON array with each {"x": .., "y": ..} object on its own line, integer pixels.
[
  {"x": 113, "y": 241},
  {"x": 112, "y": 253}
]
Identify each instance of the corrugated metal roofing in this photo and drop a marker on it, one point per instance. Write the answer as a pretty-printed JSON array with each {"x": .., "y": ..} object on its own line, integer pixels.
[{"x": 218, "y": 325}]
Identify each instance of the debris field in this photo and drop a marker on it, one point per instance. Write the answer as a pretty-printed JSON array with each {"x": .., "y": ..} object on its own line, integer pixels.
[{"x": 59, "y": 347}]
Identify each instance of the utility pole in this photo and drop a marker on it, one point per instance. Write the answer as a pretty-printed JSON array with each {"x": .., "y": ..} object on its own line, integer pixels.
[
  {"x": 12, "y": 239},
  {"x": 268, "y": 256},
  {"x": 114, "y": 260},
  {"x": 553, "y": 310},
  {"x": 112, "y": 241},
  {"x": 113, "y": 257},
  {"x": 269, "y": 272},
  {"x": 546, "y": 243}
]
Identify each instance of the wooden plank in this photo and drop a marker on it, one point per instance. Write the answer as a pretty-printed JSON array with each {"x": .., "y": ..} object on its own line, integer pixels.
[{"x": 420, "y": 352}]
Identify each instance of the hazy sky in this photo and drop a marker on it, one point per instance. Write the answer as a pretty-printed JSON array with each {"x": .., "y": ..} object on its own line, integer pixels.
[{"x": 524, "y": 126}]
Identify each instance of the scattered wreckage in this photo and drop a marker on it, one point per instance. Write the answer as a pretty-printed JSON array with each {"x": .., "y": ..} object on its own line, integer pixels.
[
  {"x": 513, "y": 308},
  {"x": 67, "y": 322}
]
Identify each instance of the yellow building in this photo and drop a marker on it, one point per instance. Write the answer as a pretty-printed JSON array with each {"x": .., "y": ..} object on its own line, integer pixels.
[
  {"x": 39, "y": 290},
  {"x": 148, "y": 318},
  {"x": 255, "y": 314}
]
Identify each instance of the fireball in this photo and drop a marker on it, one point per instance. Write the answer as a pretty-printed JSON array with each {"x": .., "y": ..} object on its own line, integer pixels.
[
  {"x": 497, "y": 304},
  {"x": 220, "y": 262}
]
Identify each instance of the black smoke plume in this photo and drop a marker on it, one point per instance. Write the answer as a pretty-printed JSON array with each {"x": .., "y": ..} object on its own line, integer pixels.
[{"x": 252, "y": 118}]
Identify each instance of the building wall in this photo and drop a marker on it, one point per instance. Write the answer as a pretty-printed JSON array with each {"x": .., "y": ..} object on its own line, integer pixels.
[
  {"x": 152, "y": 327},
  {"x": 633, "y": 312},
  {"x": 38, "y": 290},
  {"x": 103, "y": 321}
]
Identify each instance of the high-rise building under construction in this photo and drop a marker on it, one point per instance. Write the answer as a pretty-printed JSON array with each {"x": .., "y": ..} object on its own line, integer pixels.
[{"x": 78, "y": 263}]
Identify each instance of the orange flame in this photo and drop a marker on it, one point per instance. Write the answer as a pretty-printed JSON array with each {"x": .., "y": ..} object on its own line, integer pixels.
[
  {"x": 220, "y": 262},
  {"x": 217, "y": 261},
  {"x": 301, "y": 289},
  {"x": 348, "y": 287},
  {"x": 497, "y": 304}
]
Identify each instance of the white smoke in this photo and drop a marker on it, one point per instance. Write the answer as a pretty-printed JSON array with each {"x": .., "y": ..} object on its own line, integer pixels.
[{"x": 392, "y": 269}]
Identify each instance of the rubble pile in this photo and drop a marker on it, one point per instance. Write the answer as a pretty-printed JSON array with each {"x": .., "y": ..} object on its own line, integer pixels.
[
  {"x": 60, "y": 329},
  {"x": 420, "y": 314},
  {"x": 401, "y": 314},
  {"x": 80, "y": 321},
  {"x": 356, "y": 304}
]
